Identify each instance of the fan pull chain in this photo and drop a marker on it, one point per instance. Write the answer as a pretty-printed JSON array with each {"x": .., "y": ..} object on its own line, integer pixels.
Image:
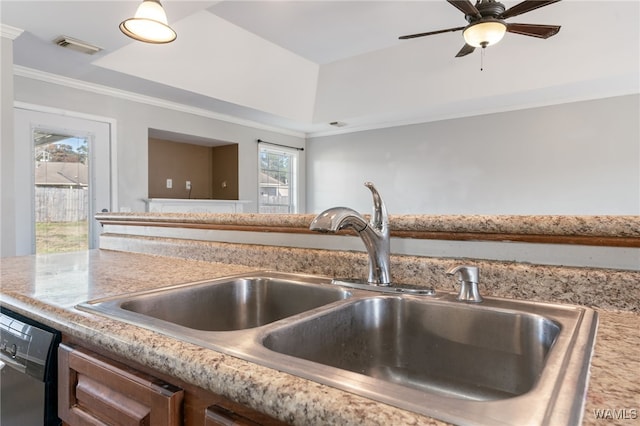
[{"x": 482, "y": 59}]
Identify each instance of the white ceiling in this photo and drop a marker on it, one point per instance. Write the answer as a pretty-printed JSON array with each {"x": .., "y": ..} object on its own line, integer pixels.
[{"x": 298, "y": 65}]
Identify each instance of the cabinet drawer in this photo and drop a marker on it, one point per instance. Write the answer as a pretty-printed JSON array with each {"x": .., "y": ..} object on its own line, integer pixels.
[
  {"x": 216, "y": 415},
  {"x": 94, "y": 390}
]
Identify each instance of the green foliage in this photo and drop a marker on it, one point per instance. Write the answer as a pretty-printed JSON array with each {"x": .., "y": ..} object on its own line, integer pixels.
[
  {"x": 71, "y": 150},
  {"x": 276, "y": 165}
]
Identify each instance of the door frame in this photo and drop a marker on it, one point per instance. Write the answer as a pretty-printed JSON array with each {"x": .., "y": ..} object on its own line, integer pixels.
[{"x": 113, "y": 166}]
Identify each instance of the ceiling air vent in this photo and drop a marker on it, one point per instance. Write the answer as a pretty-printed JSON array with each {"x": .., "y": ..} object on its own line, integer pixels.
[{"x": 77, "y": 45}]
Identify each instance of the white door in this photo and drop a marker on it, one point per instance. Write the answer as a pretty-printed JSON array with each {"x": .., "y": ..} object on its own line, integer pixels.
[{"x": 64, "y": 170}]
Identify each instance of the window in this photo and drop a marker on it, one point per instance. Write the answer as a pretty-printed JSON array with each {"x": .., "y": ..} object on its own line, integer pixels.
[
  {"x": 61, "y": 191},
  {"x": 277, "y": 180}
]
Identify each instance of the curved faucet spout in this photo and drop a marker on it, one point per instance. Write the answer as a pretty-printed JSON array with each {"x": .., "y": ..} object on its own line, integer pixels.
[
  {"x": 374, "y": 234},
  {"x": 336, "y": 218}
]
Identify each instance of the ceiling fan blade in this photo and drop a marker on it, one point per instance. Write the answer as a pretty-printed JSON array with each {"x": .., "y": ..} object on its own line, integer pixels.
[
  {"x": 533, "y": 30},
  {"x": 466, "y": 7},
  {"x": 448, "y": 30},
  {"x": 524, "y": 7},
  {"x": 466, "y": 49}
]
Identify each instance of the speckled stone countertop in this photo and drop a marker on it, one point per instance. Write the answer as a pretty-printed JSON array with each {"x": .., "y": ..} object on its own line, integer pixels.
[
  {"x": 594, "y": 226},
  {"x": 594, "y": 287},
  {"x": 48, "y": 287}
]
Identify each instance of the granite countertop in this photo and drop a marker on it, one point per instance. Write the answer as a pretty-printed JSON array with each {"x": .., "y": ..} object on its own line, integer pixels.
[
  {"x": 618, "y": 227},
  {"x": 48, "y": 287},
  {"x": 524, "y": 224}
]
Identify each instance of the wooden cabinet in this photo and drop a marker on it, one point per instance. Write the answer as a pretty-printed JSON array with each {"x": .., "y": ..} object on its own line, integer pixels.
[
  {"x": 93, "y": 390},
  {"x": 103, "y": 389},
  {"x": 203, "y": 408},
  {"x": 216, "y": 415}
]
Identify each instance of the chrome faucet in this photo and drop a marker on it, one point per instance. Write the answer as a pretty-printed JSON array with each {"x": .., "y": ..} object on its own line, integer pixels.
[{"x": 374, "y": 234}]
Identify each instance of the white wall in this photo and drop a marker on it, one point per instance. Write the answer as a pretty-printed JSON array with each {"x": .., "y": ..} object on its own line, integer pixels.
[
  {"x": 133, "y": 120},
  {"x": 7, "y": 169},
  {"x": 570, "y": 159}
]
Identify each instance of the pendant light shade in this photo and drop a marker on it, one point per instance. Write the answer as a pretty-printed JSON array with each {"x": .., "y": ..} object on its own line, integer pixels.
[
  {"x": 484, "y": 33},
  {"x": 149, "y": 24}
]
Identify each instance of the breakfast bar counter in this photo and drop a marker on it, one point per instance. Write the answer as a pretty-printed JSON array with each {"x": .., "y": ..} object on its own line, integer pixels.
[{"x": 48, "y": 287}]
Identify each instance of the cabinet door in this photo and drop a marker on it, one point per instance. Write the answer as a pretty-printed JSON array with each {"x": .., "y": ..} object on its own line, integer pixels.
[
  {"x": 93, "y": 390},
  {"x": 205, "y": 408}
]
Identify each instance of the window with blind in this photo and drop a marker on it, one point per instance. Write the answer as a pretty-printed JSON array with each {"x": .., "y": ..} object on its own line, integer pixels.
[{"x": 277, "y": 180}]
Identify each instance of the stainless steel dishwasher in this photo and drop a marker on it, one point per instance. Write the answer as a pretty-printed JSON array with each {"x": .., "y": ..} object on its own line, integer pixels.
[{"x": 28, "y": 358}]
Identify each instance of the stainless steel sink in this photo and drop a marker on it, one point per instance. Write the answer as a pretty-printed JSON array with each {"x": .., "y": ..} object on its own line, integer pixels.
[
  {"x": 447, "y": 349},
  {"x": 501, "y": 362},
  {"x": 229, "y": 304}
]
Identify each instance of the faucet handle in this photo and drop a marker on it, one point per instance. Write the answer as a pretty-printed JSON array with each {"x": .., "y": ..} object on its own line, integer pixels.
[
  {"x": 379, "y": 219},
  {"x": 468, "y": 278}
]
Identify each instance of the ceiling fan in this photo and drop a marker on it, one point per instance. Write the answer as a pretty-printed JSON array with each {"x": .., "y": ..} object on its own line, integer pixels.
[{"x": 487, "y": 26}]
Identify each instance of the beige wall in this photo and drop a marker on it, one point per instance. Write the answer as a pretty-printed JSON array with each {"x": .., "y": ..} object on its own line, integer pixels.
[
  {"x": 205, "y": 167},
  {"x": 180, "y": 162},
  {"x": 224, "y": 167}
]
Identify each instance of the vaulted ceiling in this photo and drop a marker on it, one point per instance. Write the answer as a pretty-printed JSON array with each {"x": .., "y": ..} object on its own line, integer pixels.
[{"x": 300, "y": 65}]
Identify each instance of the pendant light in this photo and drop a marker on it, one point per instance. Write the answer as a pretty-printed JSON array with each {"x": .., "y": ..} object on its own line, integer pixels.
[
  {"x": 149, "y": 24},
  {"x": 484, "y": 32}
]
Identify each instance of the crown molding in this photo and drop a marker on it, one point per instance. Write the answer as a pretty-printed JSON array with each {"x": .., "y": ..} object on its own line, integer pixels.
[
  {"x": 12, "y": 33},
  {"x": 22, "y": 71}
]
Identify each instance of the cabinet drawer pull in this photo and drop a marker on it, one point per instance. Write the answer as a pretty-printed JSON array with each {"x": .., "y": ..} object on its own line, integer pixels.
[{"x": 215, "y": 415}]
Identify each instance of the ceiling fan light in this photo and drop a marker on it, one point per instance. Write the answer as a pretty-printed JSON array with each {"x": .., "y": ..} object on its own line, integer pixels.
[
  {"x": 484, "y": 33},
  {"x": 149, "y": 24}
]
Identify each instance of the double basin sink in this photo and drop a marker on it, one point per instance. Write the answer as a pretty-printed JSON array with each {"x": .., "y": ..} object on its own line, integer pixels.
[{"x": 498, "y": 362}]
